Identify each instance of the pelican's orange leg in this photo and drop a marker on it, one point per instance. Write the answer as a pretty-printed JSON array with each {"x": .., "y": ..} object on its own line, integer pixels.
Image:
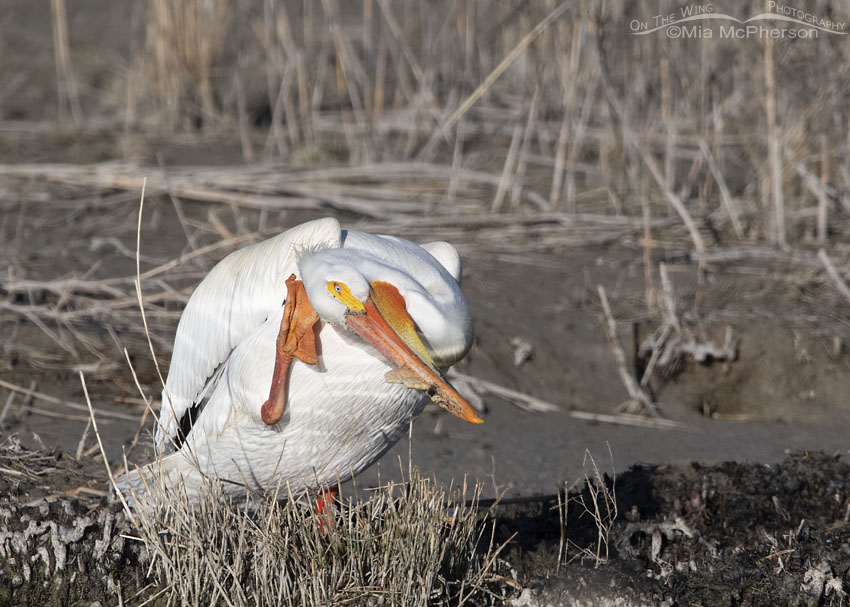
[
  {"x": 296, "y": 339},
  {"x": 325, "y": 508}
]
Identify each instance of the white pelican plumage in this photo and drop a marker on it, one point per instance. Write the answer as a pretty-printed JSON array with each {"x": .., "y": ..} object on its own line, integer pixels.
[{"x": 372, "y": 321}]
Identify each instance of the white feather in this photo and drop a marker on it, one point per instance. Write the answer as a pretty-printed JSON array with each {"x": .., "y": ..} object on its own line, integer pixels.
[
  {"x": 340, "y": 415},
  {"x": 236, "y": 297}
]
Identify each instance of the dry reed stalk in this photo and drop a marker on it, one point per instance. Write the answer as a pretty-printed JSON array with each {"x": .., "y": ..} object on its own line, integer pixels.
[
  {"x": 507, "y": 170},
  {"x": 667, "y": 114},
  {"x": 275, "y": 137},
  {"x": 32, "y": 410},
  {"x": 349, "y": 73},
  {"x": 560, "y": 161},
  {"x": 533, "y": 404},
  {"x": 629, "y": 419},
  {"x": 725, "y": 197},
  {"x": 669, "y": 311},
  {"x": 69, "y": 99},
  {"x": 823, "y": 201},
  {"x": 773, "y": 145},
  {"x": 175, "y": 202},
  {"x": 648, "y": 244},
  {"x": 130, "y": 108},
  {"x": 368, "y": 40},
  {"x": 503, "y": 65},
  {"x": 839, "y": 282},
  {"x": 576, "y": 146},
  {"x": 138, "y": 284},
  {"x": 469, "y": 39},
  {"x": 569, "y": 72},
  {"x": 674, "y": 200},
  {"x": 519, "y": 174},
  {"x": 114, "y": 486},
  {"x": 417, "y": 71},
  {"x": 821, "y": 189},
  {"x": 6, "y": 405},
  {"x": 242, "y": 118},
  {"x": 457, "y": 161},
  {"x": 147, "y": 401},
  {"x": 630, "y": 140},
  {"x": 285, "y": 36},
  {"x": 81, "y": 446},
  {"x": 185, "y": 38},
  {"x": 275, "y": 67},
  {"x": 379, "y": 93}
]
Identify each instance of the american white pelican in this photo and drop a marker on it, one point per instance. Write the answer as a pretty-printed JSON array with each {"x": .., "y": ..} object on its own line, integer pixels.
[{"x": 372, "y": 321}]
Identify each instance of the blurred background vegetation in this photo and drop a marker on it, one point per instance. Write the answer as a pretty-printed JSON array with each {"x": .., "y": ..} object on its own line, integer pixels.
[{"x": 561, "y": 105}]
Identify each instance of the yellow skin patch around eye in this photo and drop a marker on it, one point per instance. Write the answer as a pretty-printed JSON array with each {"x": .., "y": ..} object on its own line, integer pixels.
[
  {"x": 343, "y": 293},
  {"x": 385, "y": 324},
  {"x": 392, "y": 307}
]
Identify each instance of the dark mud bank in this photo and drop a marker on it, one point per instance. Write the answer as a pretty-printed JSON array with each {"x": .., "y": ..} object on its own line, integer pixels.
[{"x": 729, "y": 534}]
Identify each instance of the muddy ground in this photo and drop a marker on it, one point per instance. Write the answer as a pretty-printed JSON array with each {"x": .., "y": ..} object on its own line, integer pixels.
[
  {"x": 761, "y": 519},
  {"x": 745, "y": 500},
  {"x": 723, "y": 534}
]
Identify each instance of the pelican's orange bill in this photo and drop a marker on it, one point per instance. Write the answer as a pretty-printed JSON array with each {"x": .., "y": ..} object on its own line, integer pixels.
[
  {"x": 296, "y": 339},
  {"x": 391, "y": 331}
]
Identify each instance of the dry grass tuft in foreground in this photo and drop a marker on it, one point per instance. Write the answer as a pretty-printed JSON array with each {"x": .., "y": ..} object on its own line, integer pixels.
[
  {"x": 411, "y": 544},
  {"x": 62, "y": 543}
]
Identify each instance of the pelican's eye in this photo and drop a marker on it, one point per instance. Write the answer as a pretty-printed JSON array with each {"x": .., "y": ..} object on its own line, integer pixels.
[{"x": 341, "y": 291}]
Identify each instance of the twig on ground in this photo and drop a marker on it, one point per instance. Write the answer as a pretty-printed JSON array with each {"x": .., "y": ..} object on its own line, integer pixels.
[
  {"x": 520, "y": 399},
  {"x": 669, "y": 309},
  {"x": 531, "y": 403},
  {"x": 629, "y": 419},
  {"x": 65, "y": 403},
  {"x": 666, "y": 346},
  {"x": 640, "y": 401}
]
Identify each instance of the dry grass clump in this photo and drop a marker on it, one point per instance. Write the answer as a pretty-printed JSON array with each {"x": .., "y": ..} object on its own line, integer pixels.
[
  {"x": 411, "y": 544},
  {"x": 597, "y": 502},
  {"x": 563, "y": 106},
  {"x": 184, "y": 40},
  {"x": 564, "y": 103}
]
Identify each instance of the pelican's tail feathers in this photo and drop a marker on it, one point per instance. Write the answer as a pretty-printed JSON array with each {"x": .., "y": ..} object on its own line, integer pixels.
[{"x": 167, "y": 480}]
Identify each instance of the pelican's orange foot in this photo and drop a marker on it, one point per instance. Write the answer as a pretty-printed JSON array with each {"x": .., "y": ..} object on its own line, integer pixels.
[{"x": 325, "y": 508}]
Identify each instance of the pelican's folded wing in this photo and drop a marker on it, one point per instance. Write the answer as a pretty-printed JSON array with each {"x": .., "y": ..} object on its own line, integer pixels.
[
  {"x": 237, "y": 296},
  {"x": 447, "y": 255}
]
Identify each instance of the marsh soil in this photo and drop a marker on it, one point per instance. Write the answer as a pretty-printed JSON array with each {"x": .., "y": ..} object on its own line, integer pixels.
[
  {"x": 748, "y": 525},
  {"x": 762, "y": 519},
  {"x": 724, "y": 534}
]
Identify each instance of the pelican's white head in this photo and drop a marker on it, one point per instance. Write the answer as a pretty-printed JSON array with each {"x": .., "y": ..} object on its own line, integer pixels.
[
  {"x": 401, "y": 299},
  {"x": 340, "y": 281}
]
